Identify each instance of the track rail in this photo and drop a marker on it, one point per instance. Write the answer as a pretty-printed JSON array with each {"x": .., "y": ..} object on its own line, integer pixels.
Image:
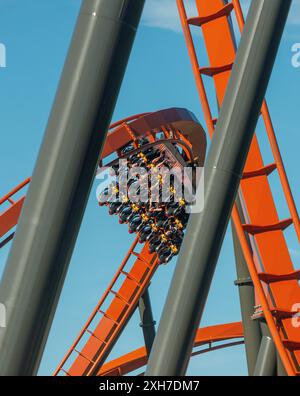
[
  {"x": 267, "y": 255},
  {"x": 205, "y": 336}
]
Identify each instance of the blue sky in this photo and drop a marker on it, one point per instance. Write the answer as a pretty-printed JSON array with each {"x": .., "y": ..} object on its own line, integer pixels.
[{"x": 36, "y": 34}]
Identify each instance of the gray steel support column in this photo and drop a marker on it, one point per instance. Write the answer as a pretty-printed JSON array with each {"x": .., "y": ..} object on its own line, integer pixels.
[
  {"x": 147, "y": 322},
  {"x": 270, "y": 357},
  {"x": 266, "y": 360},
  {"x": 62, "y": 179},
  {"x": 252, "y": 332},
  {"x": 223, "y": 170}
]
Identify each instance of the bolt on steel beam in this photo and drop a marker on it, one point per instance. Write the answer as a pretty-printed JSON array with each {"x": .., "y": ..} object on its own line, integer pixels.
[
  {"x": 223, "y": 171},
  {"x": 62, "y": 179}
]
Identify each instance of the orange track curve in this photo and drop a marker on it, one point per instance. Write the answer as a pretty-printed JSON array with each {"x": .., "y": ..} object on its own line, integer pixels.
[{"x": 138, "y": 358}]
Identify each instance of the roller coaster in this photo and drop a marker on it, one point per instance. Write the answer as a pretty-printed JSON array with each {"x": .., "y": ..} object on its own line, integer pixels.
[{"x": 174, "y": 138}]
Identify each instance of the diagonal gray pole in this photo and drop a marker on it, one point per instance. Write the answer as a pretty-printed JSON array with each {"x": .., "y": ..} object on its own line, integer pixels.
[
  {"x": 62, "y": 179},
  {"x": 266, "y": 363},
  {"x": 147, "y": 321},
  {"x": 266, "y": 358},
  {"x": 205, "y": 232}
]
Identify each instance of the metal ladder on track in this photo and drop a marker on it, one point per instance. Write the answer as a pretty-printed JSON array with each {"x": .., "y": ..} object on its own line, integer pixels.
[
  {"x": 267, "y": 255},
  {"x": 111, "y": 321}
]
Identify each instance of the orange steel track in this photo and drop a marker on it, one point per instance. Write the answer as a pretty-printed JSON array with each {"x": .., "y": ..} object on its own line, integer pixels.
[
  {"x": 207, "y": 335},
  {"x": 267, "y": 255}
]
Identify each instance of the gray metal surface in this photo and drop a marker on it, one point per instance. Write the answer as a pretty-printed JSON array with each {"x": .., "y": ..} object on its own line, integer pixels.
[
  {"x": 252, "y": 332},
  {"x": 62, "y": 178},
  {"x": 266, "y": 360},
  {"x": 281, "y": 371},
  {"x": 147, "y": 321},
  {"x": 223, "y": 170}
]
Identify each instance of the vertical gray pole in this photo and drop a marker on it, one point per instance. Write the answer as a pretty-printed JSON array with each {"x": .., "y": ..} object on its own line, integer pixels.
[
  {"x": 266, "y": 360},
  {"x": 252, "y": 332},
  {"x": 223, "y": 170},
  {"x": 147, "y": 322},
  {"x": 62, "y": 179}
]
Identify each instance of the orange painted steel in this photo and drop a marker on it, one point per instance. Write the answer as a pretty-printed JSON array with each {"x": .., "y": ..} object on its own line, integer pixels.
[
  {"x": 10, "y": 216},
  {"x": 148, "y": 123},
  {"x": 273, "y": 140},
  {"x": 138, "y": 358},
  {"x": 268, "y": 252}
]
